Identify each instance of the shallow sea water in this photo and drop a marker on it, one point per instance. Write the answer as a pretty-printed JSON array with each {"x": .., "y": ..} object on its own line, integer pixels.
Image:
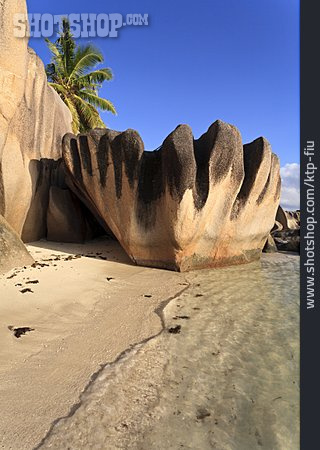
[{"x": 229, "y": 380}]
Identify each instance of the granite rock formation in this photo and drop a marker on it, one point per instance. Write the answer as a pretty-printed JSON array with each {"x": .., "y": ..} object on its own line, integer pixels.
[
  {"x": 290, "y": 220},
  {"x": 191, "y": 204},
  {"x": 270, "y": 245},
  {"x": 287, "y": 240},
  {"x": 277, "y": 227},
  {"x": 286, "y": 230},
  {"x": 33, "y": 121},
  {"x": 13, "y": 253}
]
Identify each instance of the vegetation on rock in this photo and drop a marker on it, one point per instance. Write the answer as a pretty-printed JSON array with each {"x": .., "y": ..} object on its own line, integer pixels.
[{"x": 73, "y": 75}]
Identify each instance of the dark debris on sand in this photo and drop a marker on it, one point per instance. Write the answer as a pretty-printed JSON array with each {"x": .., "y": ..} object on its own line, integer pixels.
[
  {"x": 19, "y": 331},
  {"x": 39, "y": 264},
  {"x": 202, "y": 413},
  {"x": 11, "y": 276},
  {"x": 181, "y": 317},
  {"x": 175, "y": 330}
]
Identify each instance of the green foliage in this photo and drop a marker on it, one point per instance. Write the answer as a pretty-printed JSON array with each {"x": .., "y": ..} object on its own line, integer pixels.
[{"x": 72, "y": 73}]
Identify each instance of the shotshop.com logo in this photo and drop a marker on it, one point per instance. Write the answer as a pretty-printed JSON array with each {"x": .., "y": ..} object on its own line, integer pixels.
[{"x": 82, "y": 25}]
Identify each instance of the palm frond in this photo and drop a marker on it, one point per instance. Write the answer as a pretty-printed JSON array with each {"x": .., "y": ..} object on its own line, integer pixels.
[
  {"x": 71, "y": 74},
  {"x": 57, "y": 60},
  {"x": 97, "y": 101},
  {"x": 97, "y": 122},
  {"x": 89, "y": 116},
  {"x": 51, "y": 71},
  {"x": 74, "y": 113},
  {"x": 53, "y": 48},
  {"x": 86, "y": 58},
  {"x": 67, "y": 46},
  {"x": 98, "y": 76},
  {"x": 86, "y": 113},
  {"x": 59, "y": 88}
]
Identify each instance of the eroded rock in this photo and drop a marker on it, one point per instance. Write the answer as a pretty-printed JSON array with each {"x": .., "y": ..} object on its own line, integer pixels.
[
  {"x": 286, "y": 230},
  {"x": 191, "y": 204},
  {"x": 270, "y": 245},
  {"x": 290, "y": 220},
  {"x": 33, "y": 120}
]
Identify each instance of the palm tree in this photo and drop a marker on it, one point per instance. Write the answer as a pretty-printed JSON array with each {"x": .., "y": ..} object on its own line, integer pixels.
[{"x": 71, "y": 74}]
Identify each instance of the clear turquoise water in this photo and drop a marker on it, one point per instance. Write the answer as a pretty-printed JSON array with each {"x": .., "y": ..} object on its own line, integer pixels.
[{"x": 227, "y": 381}]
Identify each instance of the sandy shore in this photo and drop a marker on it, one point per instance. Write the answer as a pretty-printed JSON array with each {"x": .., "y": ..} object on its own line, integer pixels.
[
  {"x": 228, "y": 378},
  {"x": 84, "y": 305}
]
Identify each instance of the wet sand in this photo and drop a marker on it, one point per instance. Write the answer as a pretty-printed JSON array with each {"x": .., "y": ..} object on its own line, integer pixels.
[
  {"x": 76, "y": 310},
  {"x": 223, "y": 375}
]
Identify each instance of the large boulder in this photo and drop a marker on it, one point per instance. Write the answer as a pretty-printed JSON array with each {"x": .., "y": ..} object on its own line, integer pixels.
[
  {"x": 191, "y": 204},
  {"x": 286, "y": 230},
  {"x": 33, "y": 120},
  {"x": 290, "y": 220},
  {"x": 13, "y": 253}
]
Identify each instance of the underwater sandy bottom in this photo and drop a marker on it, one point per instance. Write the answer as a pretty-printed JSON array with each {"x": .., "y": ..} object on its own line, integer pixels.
[{"x": 225, "y": 377}]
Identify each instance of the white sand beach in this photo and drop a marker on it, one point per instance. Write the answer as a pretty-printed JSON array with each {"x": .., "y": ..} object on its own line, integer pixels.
[{"x": 84, "y": 312}]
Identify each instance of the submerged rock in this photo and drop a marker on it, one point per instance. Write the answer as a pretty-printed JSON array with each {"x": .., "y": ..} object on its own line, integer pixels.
[{"x": 191, "y": 204}]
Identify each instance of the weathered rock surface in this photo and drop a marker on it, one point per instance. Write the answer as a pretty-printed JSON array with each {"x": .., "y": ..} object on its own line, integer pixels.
[
  {"x": 13, "y": 253},
  {"x": 270, "y": 245},
  {"x": 286, "y": 230},
  {"x": 191, "y": 204},
  {"x": 33, "y": 120},
  {"x": 277, "y": 226},
  {"x": 290, "y": 220}
]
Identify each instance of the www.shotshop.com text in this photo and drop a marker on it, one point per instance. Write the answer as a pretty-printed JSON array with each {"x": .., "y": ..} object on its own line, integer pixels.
[{"x": 309, "y": 237}]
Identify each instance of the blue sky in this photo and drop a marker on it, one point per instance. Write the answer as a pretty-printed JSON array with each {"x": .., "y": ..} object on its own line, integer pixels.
[{"x": 236, "y": 60}]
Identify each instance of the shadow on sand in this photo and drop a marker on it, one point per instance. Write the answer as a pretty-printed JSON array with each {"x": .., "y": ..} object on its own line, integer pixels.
[{"x": 101, "y": 249}]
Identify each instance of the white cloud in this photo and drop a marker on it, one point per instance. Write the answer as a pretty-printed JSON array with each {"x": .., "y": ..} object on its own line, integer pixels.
[{"x": 290, "y": 191}]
